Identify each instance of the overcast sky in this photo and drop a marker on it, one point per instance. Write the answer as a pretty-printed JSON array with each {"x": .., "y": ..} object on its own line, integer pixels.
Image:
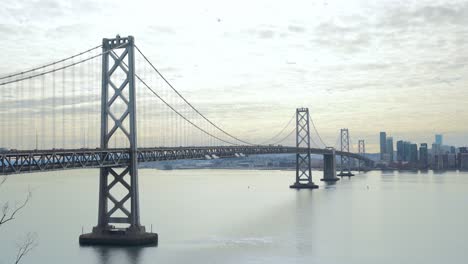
[{"x": 396, "y": 66}]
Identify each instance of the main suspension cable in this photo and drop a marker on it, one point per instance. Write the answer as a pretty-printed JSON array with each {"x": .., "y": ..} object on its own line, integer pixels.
[
  {"x": 50, "y": 64},
  {"x": 188, "y": 103},
  {"x": 283, "y": 139},
  {"x": 179, "y": 114},
  {"x": 61, "y": 68},
  {"x": 316, "y": 131},
  {"x": 281, "y": 131}
]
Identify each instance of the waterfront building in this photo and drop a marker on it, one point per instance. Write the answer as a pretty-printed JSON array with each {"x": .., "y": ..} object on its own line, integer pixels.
[
  {"x": 389, "y": 149},
  {"x": 413, "y": 157},
  {"x": 436, "y": 149},
  {"x": 437, "y": 162},
  {"x": 461, "y": 151},
  {"x": 453, "y": 150},
  {"x": 452, "y": 161},
  {"x": 406, "y": 151},
  {"x": 463, "y": 161},
  {"x": 400, "y": 150},
  {"x": 383, "y": 144},
  {"x": 423, "y": 156}
]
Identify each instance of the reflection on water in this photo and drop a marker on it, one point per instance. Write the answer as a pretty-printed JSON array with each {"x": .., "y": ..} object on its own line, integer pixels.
[
  {"x": 329, "y": 185},
  {"x": 107, "y": 255},
  {"x": 229, "y": 216},
  {"x": 304, "y": 220}
]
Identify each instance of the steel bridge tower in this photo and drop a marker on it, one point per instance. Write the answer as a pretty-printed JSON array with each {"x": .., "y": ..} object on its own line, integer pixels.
[
  {"x": 118, "y": 89},
  {"x": 362, "y": 152},
  {"x": 345, "y": 160},
  {"x": 303, "y": 168}
]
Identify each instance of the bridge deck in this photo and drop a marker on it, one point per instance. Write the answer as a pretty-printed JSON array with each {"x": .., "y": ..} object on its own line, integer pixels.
[{"x": 21, "y": 161}]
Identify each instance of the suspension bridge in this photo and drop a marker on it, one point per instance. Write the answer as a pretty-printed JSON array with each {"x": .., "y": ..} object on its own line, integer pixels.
[{"x": 81, "y": 112}]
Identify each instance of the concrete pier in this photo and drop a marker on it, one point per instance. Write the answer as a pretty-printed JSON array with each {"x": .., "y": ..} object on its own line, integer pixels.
[
  {"x": 298, "y": 186},
  {"x": 345, "y": 174},
  {"x": 119, "y": 237},
  {"x": 329, "y": 167}
]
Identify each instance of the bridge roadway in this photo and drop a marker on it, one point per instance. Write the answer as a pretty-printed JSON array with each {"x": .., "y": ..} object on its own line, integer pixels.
[{"x": 22, "y": 161}]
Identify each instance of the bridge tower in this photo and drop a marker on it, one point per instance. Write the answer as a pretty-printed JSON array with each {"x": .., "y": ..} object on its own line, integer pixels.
[
  {"x": 303, "y": 168},
  {"x": 362, "y": 152},
  {"x": 345, "y": 160},
  {"x": 119, "y": 90}
]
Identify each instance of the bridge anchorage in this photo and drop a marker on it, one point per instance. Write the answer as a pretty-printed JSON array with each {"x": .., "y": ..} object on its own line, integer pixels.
[
  {"x": 105, "y": 232},
  {"x": 303, "y": 168},
  {"x": 345, "y": 160}
]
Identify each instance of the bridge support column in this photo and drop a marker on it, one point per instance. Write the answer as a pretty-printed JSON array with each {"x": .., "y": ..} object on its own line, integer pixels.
[
  {"x": 303, "y": 168},
  {"x": 329, "y": 167},
  {"x": 345, "y": 160},
  {"x": 119, "y": 206}
]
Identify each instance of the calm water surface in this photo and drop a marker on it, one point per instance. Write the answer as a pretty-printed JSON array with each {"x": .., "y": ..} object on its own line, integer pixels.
[{"x": 237, "y": 216}]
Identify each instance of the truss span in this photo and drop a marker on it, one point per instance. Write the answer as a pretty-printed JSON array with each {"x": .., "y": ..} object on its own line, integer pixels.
[{"x": 23, "y": 161}]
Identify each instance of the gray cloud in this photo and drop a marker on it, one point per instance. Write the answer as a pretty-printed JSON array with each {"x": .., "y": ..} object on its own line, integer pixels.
[
  {"x": 347, "y": 39},
  {"x": 296, "y": 29},
  {"x": 263, "y": 31},
  {"x": 266, "y": 34},
  {"x": 434, "y": 15},
  {"x": 162, "y": 29}
]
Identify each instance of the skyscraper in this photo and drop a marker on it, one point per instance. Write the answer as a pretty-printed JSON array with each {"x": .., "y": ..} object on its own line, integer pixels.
[
  {"x": 423, "y": 156},
  {"x": 389, "y": 148},
  {"x": 383, "y": 144},
  {"x": 453, "y": 150},
  {"x": 438, "y": 139},
  {"x": 413, "y": 153},
  {"x": 406, "y": 151},
  {"x": 400, "y": 150},
  {"x": 436, "y": 149},
  {"x": 462, "y": 158}
]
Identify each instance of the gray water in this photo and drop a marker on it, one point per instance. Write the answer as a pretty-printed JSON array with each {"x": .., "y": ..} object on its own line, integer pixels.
[{"x": 239, "y": 216}]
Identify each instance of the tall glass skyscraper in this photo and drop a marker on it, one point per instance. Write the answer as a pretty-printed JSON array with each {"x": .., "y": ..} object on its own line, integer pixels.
[
  {"x": 438, "y": 139},
  {"x": 400, "y": 146},
  {"x": 389, "y": 148},
  {"x": 423, "y": 156},
  {"x": 383, "y": 144}
]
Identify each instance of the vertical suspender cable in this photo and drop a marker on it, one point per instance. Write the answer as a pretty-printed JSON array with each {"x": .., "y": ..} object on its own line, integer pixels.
[
  {"x": 54, "y": 105},
  {"x": 42, "y": 115},
  {"x": 21, "y": 117},
  {"x": 73, "y": 118},
  {"x": 64, "y": 100}
]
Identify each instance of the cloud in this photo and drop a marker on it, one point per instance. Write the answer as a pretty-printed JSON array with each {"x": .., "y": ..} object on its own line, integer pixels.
[
  {"x": 403, "y": 17},
  {"x": 162, "y": 29},
  {"x": 266, "y": 34},
  {"x": 296, "y": 29},
  {"x": 348, "y": 39},
  {"x": 262, "y": 31},
  {"x": 7, "y": 29}
]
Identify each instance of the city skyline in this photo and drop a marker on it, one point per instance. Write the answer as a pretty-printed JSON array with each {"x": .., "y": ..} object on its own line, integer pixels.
[
  {"x": 367, "y": 67},
  {"x": 408, "y": 157}
]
